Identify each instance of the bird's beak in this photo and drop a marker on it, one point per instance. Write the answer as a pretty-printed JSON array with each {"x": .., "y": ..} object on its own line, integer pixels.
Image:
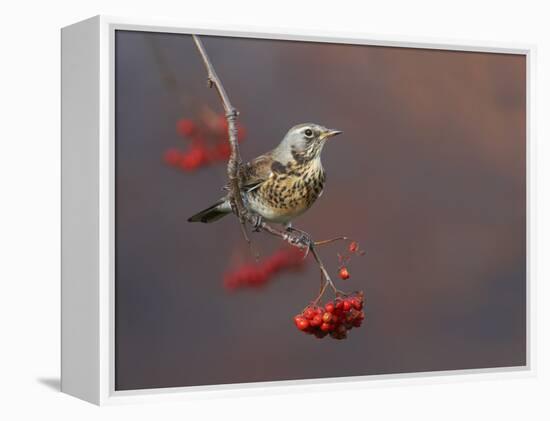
[{"x": 330, "y": 133}]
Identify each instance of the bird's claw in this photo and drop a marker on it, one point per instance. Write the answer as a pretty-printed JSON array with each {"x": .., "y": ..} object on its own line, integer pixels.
[
  {"x": 258, "y": 222},
  {"x": 299, "y": 238}
]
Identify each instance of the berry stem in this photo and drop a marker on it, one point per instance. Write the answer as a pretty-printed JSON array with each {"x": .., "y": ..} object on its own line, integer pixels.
[
  {"x": 332, "y": 240},
  {"x": 324, "y": 284},
  {"x": 324, "y": 272}
]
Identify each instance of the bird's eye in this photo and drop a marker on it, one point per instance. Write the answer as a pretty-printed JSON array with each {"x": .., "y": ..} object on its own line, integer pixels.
[{"x": 308, "y": 132}]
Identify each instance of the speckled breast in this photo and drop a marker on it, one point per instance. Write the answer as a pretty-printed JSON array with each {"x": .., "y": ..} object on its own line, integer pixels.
[{"x": 286, "y": 196}]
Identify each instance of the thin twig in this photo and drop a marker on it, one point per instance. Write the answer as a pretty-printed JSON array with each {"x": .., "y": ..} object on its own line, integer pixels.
[
  {"x": 332, "y": 240},
  {"x": 324, "y": 271},
  {"x": 322, "y": 289}
]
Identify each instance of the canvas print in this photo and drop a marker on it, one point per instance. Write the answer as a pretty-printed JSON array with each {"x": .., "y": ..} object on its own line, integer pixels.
[{"x": 291, "y": 210}]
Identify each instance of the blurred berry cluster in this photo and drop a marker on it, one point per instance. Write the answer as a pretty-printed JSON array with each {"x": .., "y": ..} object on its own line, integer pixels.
[
  {"x": 208, "y": 142},
  {"x": 334, "y": 319},
  {"x": 259, "y": 274}
]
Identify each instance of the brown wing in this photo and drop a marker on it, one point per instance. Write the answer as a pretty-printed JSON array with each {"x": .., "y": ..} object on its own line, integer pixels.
[{"x": 255, "y": 172}]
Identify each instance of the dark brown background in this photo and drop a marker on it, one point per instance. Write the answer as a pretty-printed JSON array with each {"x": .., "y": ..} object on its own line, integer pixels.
[{"x": 429, "y": 176}]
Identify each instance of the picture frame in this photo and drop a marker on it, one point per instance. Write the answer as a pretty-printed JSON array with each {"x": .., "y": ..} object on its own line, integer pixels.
[{"x": 88, "y": 211}]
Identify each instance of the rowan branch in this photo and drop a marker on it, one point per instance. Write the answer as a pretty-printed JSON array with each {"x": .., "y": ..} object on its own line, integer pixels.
[
  {"x": 233, "y": 166},
  {"x": 234, "y": 163}
]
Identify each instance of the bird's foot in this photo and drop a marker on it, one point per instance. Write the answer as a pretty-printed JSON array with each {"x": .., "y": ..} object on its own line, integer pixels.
[
  {"x": 251, "y": 217},
  {"x": 258, "y": 222},
  {"x": 298, "y": 238}
]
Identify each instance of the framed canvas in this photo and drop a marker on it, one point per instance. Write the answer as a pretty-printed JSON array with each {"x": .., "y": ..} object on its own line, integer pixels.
[{"x": 248, "y": 210}]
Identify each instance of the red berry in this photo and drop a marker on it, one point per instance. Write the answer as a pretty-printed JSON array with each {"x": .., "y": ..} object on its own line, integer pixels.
[
  {"x": 199, "y": 153},
  {"x": 301, "y": 323},
  {"x": 347, "y": 305},
  {"x": 186, "y": 163},
  {"x": 194, "y": 158},
  {"x": 353, "y": 247},
  {"x": 269, "y": 267},
  {"x": 325, "y": 327},
  {"x": 327, "y": 317},
  {"x": 316, "y": 321},
  {"x": 257, "y": 277},
  {"x": 329, "y": 307},
  {"x": 344, "y": 274},
  {"x": 309, "y": 313},
  {"x": 185, "y": 127}
]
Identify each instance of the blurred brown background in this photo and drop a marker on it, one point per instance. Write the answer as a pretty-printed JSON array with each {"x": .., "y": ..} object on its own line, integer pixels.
[{"x": 429, "y": 176}]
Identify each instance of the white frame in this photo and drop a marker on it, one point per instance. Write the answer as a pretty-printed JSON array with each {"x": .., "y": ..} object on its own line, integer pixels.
[{"x": 88, "y": 211}]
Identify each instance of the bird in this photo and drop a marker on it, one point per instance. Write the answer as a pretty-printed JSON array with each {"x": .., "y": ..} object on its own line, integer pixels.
[{"x": 283, "y": 183}]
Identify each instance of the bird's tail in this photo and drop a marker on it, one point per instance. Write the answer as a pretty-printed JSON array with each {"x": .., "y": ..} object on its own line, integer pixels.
[{"x": 213, "y": 213}]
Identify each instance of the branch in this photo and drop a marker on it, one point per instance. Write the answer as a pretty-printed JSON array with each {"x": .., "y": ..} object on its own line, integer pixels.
[
  {"x": 233, "y": 167},
  {"x": 235, "y": 162}
]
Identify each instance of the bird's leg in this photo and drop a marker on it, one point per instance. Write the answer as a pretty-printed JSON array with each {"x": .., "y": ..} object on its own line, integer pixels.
[{"x": 258, "y": 222}]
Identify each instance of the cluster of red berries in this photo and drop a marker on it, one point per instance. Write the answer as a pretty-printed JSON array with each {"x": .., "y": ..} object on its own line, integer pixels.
[
  {"x": 334, "y": 319},
  {"x": 259, "y": 274},
  {"x": 209, "y": 143},
  {"x": 343, "y": 259}
]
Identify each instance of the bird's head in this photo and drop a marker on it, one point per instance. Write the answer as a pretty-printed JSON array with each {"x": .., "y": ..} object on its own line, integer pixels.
[{"x": 305, "y": 142}]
